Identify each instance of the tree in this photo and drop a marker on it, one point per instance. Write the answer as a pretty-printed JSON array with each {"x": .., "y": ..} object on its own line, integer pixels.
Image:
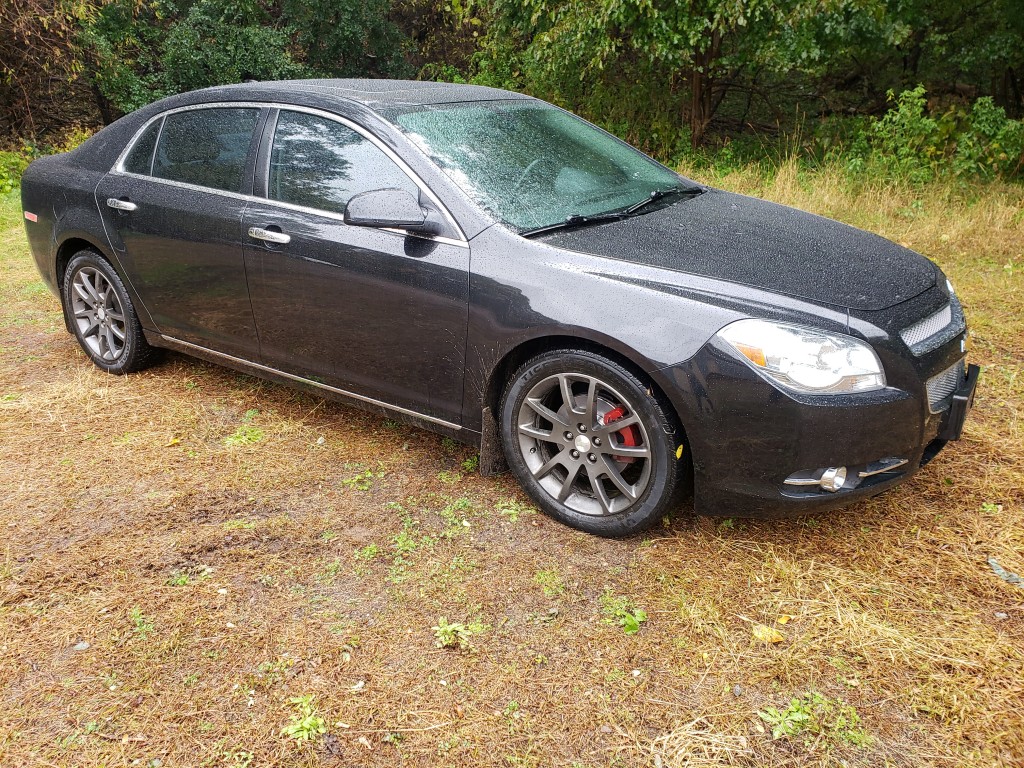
[
  {"x": 139, "y": 50},
  {"x": 38, "y": 59},
  {"x": 347, "y": 38},
  {"x": 708, "y": 44}
]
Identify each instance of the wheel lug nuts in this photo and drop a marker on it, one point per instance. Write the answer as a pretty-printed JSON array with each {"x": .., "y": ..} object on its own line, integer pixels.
[
  {"x": 597, "y": 441},
  {"x": 591, "y": 458},
  {"x": 574, "y": 453},
  {"x": 568, "y": 435},
  {"x": 581, "y": 427}
]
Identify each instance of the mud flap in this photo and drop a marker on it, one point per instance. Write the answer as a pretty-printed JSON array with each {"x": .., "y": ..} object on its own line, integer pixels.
[{"x": 492, "y": 456}]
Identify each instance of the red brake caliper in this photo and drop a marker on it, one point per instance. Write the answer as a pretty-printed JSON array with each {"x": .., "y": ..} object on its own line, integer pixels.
[{"x": 629, "y": 436}]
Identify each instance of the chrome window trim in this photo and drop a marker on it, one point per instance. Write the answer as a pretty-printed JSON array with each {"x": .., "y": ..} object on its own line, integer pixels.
[
  {"x": 258, "y": 366},
  {"x": 118, "y": 167}
]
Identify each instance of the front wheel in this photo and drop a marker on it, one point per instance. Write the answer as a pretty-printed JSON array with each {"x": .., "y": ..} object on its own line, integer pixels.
[{"x": 591, "y": 443}]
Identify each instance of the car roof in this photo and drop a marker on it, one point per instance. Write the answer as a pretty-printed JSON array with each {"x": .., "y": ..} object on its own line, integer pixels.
[
  {"x": 373, "y": 94},
  {"x": 370, "y": 96}
]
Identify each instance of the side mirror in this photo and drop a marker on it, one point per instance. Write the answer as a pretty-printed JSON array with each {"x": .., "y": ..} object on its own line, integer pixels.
[{"x": 385, "y": 208}]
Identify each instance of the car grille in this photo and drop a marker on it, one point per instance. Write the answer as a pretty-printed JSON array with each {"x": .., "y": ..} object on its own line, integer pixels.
[
  {"x": 925, "y": 329},
  {"x": 942, "y": 386}
]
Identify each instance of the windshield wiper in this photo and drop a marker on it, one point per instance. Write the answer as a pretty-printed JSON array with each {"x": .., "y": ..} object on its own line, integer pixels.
[
  {"x": 579, "y": 220},
  {"x": 658, "y": 194},
  {"x": 575, "y": 220}
]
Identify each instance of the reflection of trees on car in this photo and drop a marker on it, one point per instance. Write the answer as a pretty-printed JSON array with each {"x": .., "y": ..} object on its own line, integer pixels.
[{"x": 309, "y": 165}]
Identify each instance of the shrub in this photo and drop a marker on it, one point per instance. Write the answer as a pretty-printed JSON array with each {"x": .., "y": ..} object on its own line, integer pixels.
[
  {"x": 12, "y": 165},
  {"x": 990, "y": 144},
  {"x": 905, "y": 139},
  {"x": 910, "y": 144}
]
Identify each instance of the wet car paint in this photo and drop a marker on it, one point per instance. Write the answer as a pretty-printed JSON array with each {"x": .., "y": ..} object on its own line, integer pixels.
[{"x": 434, "y": 329}]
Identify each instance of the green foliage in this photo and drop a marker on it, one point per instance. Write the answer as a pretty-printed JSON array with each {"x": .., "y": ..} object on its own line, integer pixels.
[
  {"x": 621, "y": 612},
  {"x": 12, "y": 165},
  {"x": 306, "y": 723},
  {"x": 815, "y": 715},
  {"x": 457, "y": 636},
  {"x": 142, "y": 625},
  {"x": 246, "y": 434},
  {"x": 904, "y": 138},
  {"x": 352, "y": 39},
  {"x": 405, "y": 544},
  {"x": 226, "y": 41},
  {"x": 909, "y": 143},
  {"x": 137, "y": 51},
  {"x": 14, "y": 162},
  {"x": 513, "y": 509},
  {"x": 121, "y": 42},
  {"x": 550, "y": 581},
  {"x": 990, "y": 144},
  {"x": 367, "y": 553},
  {"x": 454, "y": 514},
  {"x": 684, "y": 55},
  {"x": 362, "y": 481}
]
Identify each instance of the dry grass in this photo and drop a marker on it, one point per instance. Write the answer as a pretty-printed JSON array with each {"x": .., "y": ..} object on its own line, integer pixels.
[{"x": 214, "y": 579}]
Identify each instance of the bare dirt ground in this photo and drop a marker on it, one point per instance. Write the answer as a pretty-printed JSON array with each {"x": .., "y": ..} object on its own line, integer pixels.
[{"x": 202, "y": 569}]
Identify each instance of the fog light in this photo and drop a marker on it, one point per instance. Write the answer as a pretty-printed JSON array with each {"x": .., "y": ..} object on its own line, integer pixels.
[{"x": 833, "y": 478}]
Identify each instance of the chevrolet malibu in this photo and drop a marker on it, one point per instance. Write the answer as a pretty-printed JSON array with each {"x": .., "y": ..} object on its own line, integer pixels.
[{"x": 491, "y": 267}]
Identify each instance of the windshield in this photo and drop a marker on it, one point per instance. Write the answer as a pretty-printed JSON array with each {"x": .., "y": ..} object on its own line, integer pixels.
[{"x": 531, "y": 164}]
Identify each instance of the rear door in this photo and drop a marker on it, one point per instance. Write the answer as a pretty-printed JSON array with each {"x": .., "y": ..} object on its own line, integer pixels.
[
  {"x": 378, "y": 313},
  {"x": 173, "y": 215}
]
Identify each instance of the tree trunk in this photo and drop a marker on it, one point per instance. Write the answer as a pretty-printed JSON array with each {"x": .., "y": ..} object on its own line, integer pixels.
[
  {"x": 702, "y": 108},
  {"x": 1013, "y": 100},
  {"x": 102, "y": 104}
]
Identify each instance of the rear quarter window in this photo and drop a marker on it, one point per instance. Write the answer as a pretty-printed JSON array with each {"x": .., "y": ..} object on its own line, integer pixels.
[{"x": 140, "y": 159}]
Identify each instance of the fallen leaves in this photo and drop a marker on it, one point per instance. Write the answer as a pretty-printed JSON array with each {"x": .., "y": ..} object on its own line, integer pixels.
[{"x": 766, "y": 634}]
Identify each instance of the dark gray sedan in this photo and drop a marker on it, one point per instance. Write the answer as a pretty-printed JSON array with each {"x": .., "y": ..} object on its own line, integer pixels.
[{"x": 491, "y": 267}]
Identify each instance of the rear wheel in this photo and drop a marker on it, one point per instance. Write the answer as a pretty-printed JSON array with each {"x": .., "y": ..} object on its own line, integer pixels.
[
  {"x": 102, "y": 315},
  {"x": 591, "y": 443}
]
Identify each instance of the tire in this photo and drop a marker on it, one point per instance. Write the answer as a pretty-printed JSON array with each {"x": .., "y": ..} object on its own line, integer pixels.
[
  {"x": 102, "y": 317},
  {"x": 619, "y": 474}
]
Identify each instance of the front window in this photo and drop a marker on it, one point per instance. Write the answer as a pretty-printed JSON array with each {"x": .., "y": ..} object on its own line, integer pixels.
[
  {"x": 320, "y": 163},
  {"x": 533, "y": 165}
]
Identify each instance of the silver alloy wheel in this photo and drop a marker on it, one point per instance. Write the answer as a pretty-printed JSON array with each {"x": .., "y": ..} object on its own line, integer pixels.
[
  {"x": 98, "y": 314},
  {"x": 584, "y": 443}
]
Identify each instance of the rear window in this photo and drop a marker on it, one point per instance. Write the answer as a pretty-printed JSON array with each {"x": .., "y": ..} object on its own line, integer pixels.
[{"x": 206, "y": 147}]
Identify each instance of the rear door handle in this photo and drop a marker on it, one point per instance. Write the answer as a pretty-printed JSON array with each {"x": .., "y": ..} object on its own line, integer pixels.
[
  {"x": 259, "y": 233},
  {"x": 121, "y": 205}
]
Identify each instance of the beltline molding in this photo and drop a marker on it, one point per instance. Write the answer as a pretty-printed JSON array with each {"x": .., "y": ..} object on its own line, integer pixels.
[{"x": 310, "y": 382}]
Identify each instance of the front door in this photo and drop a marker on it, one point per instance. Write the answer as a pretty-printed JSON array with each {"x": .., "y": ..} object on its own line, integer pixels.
[{"x": 374, "y": 312}]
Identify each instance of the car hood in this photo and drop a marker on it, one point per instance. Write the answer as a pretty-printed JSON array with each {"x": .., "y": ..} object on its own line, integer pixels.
[{"x": 753, "y": 242}]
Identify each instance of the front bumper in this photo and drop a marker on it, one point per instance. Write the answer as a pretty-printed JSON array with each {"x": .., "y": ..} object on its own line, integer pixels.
[{"x": 747, "y": 437}]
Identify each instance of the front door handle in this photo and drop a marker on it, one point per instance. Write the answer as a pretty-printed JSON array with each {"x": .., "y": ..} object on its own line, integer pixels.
[
  {"x": 259, "y": 233},
  {"x": 121, "y": 205}
]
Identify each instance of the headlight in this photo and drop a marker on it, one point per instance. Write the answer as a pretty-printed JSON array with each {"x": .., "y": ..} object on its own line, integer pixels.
[{"x": 805, "y": 359}]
